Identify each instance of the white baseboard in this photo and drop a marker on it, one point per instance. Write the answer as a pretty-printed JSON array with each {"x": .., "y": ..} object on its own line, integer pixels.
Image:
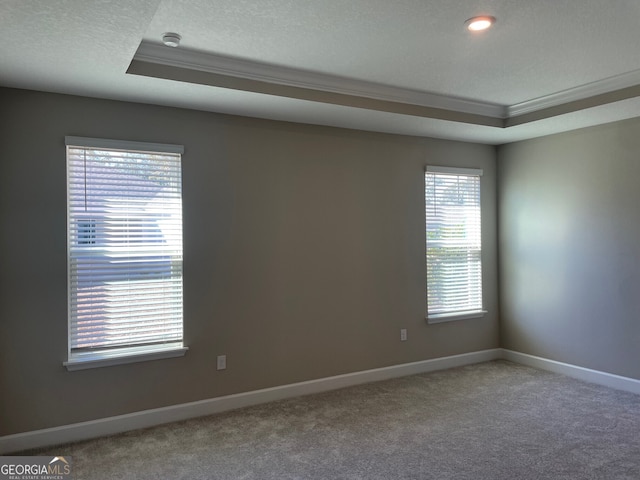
[
  {"x": 594, "y": 376},
  {"x": 149, "y": 418}
]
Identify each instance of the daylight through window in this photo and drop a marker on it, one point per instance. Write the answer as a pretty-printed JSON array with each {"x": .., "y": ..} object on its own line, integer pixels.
[
  {"x": 454, "y": 266},
  {"x": 124, "y": 247}
]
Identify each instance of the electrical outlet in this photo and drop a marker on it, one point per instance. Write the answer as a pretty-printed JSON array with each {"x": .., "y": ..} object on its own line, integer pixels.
[
  {"x": 222, "y": 362},
  {"x": 403, "y": 334}
]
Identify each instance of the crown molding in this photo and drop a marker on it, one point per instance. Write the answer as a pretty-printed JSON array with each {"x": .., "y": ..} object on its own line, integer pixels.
[
  {"x": 607, "y": 85},
  {"x": 503, "y": 116},
  {"x": 281, "y": 75}
]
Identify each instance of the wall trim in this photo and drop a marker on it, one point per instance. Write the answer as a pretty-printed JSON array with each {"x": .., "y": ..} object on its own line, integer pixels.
[
  {"x": 581, "y": 92},
  {"x": 157, "y": 416},
  {"x": 295, "y": 77},
  {"x": 241, "y": 68},
  {"x": 586, "y": 374}
]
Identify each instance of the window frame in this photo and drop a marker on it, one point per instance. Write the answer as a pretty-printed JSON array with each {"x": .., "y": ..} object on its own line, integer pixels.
[
  {"x": 454, "y": 315},
  {"x": 79, "y": 360}
]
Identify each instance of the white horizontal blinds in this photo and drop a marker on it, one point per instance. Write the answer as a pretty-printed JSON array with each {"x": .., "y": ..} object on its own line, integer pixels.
[
  {"x": 125, "y": 247},
  {"x": 454, "y": 272}
]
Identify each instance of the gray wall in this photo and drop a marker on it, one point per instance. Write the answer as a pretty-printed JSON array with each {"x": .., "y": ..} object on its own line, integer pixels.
[
  {"x": 304, "y": 256},
  {"x": 569, "y": 247}
]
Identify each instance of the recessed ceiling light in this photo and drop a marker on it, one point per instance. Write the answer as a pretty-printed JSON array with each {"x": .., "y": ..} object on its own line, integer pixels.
[
  {"x": 171, "y": 39},
  {"x": 478, "y": 24}
]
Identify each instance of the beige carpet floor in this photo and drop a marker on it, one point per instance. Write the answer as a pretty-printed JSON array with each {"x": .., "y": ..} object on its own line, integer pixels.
[{"x": 491, "y": 421}]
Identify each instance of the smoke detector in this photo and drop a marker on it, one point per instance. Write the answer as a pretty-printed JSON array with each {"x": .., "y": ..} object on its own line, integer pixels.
[{"x": 171, "y": 39}]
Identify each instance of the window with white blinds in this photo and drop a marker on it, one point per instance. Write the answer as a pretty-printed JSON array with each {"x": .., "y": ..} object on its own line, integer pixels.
[
  {"x": 124, "y": 247},
  {"x": 454, "y": 266}
]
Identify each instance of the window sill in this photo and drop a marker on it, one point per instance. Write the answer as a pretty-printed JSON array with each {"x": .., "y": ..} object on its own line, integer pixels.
[
  {"x": 83, "y": 361},
  {"x": 452, "y": 317}
]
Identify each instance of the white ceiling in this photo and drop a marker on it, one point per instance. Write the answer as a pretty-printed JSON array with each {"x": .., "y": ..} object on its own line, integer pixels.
[{"x": 401, "y": 66}]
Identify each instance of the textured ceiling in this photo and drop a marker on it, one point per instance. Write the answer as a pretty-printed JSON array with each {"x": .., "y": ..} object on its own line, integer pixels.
[
  {"x": 542, "y": 49},
  {"x": 536, "y": 48}
]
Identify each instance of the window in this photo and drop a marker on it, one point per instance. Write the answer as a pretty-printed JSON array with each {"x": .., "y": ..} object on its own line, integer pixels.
[
  {"x": 454, "y": 265},
  {"x": 124, "y": 223}
]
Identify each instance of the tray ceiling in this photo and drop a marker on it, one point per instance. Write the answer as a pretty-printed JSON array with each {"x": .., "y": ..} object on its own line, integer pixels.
[{"x": 407, "y": 66}]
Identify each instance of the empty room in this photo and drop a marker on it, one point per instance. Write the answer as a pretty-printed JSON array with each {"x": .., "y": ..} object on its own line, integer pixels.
[{"x": 337, "y": 239}]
